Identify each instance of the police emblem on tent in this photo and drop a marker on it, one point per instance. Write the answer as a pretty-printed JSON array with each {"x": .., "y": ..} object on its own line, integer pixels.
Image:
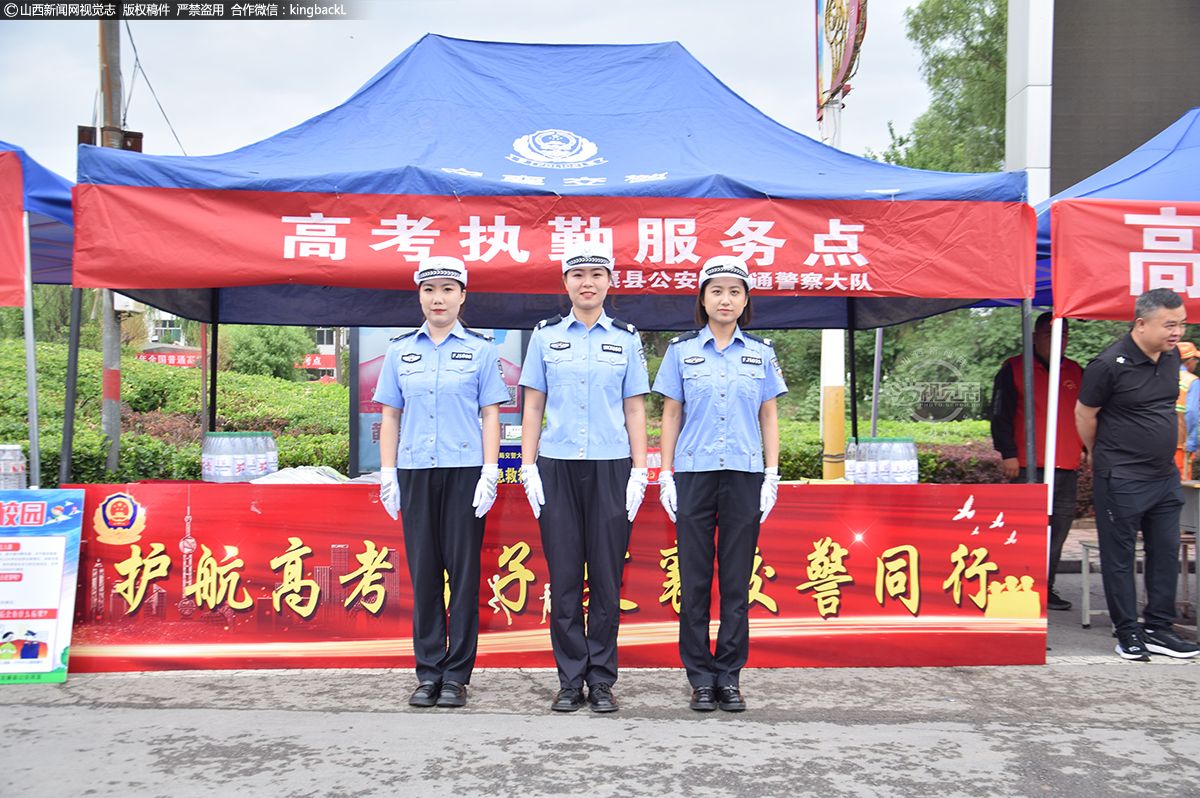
[{"x": 555, "y": 149}]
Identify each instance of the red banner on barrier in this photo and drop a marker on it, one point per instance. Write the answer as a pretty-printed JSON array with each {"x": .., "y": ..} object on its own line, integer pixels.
[
  {"x": 12, "y": 231},
  {"x": 1107, "y": 252},
  {"x": 168, "y": 360},
  {"x": 183, "y": 575},
  {"x": 138, "y": 237}
]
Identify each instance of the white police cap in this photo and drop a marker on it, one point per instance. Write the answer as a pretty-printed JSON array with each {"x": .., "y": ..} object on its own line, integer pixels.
[
  {"x": 587, "y": 253},
  {"x": 724, "y": 266},
  {"x": 439, "y": 266}
]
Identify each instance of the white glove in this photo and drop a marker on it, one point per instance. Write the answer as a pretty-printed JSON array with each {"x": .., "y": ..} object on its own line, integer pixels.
[
  {"x": 635, "y": 491},
  {"x": 667, "y": 494},
  {"x": 389, "y": 492},
  {"x": 485, "y": 489},
  {"x": 532, "y": 480},
  {"x": 770, "y": 491}
]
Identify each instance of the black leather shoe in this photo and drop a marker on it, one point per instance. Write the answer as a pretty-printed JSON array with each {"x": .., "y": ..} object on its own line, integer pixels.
[
  {"x": 1056, "y": 602},
  {"x": 731, "y": 698},
  {"x": 454, "y": 694},
  {"x": 601, "y": 698},
  {"x": 426, "y": 694},
  {"x": 704, "y": 698},
  {"x": 568, "y": 699}
]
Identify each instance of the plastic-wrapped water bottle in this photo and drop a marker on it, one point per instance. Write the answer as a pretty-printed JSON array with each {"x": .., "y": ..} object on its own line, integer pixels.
[
  {"x": 851, "y": 460},
  {"x": 12, "y": 467},
  {"x": 272, "y": 454},
  {"x": 886, "y": 457},
  {"x": 870, "y": 461},
  {"x": 914, "y": 471}
]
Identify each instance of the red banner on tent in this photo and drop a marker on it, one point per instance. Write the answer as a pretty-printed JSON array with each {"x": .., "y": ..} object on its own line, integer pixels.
[
  {"x": 12, "y": 231},
  {"x": 137, "y": 237},
  {"x": 1107, "y": 252},
  {"x": 189, "y": 575}
]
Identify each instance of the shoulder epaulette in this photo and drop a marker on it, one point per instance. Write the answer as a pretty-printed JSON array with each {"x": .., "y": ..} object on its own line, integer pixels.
[
  {"x": 626, "y": 326},
  {"x": 405, "y": 335},
  {"x": 479, "y": 334},
  {"x": 758, "y": 338},
  {"x": 547, "y": 322},
  {"x": 687, "y": 336}
]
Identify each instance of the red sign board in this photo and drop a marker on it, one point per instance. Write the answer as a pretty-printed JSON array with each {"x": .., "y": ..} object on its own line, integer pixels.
[
  {"x": 515, "y": 244},
  {"x": 232, "y": 576},
  {"x": 317, "y": 362},
  {"x": 165, "y": 359},
  {"x": 12, "y": 231},
  {"x": 1107, "y": 252}
]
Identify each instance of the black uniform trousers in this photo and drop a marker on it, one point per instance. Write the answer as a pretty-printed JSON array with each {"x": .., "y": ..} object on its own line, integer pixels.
[
  {"x": 584, "y": 522},
  {"x": 1066, "y": 488},
  {"x": 442, "y": 536},
  {"x": 1122, "y": 507},
  {"x": 718, "y": 516}
]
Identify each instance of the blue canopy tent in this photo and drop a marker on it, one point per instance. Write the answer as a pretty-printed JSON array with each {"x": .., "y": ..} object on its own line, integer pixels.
[
  {"x": 51, "y": 224},
  {"x": 446, "y": 117},
  {"x": 48, "y": 238},
  {"x": 452, "y": 118},
  {"x": 1164, "y": 168}
]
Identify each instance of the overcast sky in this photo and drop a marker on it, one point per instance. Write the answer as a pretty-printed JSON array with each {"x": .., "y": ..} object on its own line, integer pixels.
[{"x": 227, "y": 84}]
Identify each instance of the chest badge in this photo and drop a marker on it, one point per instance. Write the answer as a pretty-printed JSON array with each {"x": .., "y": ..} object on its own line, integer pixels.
[
  {"x": 693, "y": 361},
  {"x": 560, "y": 345},
  {"x": 411, "y": 357}
]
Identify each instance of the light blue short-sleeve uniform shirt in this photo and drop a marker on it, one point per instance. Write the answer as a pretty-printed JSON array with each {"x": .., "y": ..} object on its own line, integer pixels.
[
  {"x": 721, "y": 392},
  {"x": 440, "y": 388},
  {"x": 586, "y": 376}
]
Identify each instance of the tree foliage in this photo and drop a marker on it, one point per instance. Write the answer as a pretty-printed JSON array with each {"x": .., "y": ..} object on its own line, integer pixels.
[
  {"x": 267, "y": 350},
  {"x": 963, "y": 60}
]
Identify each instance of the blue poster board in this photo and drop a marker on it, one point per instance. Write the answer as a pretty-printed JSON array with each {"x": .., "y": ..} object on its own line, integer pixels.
[{"x": 39, "y": 561}]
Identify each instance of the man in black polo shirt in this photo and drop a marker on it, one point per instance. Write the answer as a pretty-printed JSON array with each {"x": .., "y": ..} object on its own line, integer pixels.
[{"x": 1126, "y": 418}]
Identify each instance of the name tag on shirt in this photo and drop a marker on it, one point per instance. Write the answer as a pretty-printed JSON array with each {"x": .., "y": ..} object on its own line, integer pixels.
[
  {"x": 616, "y": 350},
  {"x": 692, "y": 361},
  {"x": 412, "y": 357},
  {"x": 460, "y": 355},
  {"x": 560, "y": 345},
  {"x": 753, "y": 361}
]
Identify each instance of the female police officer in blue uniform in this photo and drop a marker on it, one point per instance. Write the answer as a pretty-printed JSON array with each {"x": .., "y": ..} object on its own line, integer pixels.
[
  {"x": 719, "y": 428},
  {"x": 588, "y": 374},
  {"x": 440, "y": 471}
]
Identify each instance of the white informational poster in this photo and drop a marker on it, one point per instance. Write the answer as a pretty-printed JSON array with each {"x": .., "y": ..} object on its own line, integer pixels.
[{"x": 39, "y": 561}]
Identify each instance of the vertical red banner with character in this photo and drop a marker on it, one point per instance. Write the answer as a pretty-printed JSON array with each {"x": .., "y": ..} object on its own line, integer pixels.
[{"x": 189, "y": 575}]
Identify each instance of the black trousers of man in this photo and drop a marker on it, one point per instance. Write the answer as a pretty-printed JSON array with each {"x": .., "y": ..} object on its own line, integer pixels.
[
  {"x": 442, "y": 537},
  {"x": 584, "y": 524},
  {"x": 718, "y": 516},
  {"x": 1066, "y": 489},
  {"x": 1122, "y": 507}
]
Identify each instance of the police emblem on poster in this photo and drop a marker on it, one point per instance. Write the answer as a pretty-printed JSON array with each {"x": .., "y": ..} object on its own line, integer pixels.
[
  {"x": 119, "y": 520},
  {"x": 555, "y": 149}
]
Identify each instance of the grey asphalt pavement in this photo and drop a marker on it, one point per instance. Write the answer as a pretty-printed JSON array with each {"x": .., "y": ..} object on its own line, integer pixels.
[{"x": 1085, "y": 724}]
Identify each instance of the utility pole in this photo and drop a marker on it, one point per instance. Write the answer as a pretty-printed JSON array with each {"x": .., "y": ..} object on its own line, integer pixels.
[{"x": 110, "y": 136}]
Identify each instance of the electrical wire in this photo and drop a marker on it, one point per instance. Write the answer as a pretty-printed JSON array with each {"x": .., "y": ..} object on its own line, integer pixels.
[{"x": 137, "y": 67}]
